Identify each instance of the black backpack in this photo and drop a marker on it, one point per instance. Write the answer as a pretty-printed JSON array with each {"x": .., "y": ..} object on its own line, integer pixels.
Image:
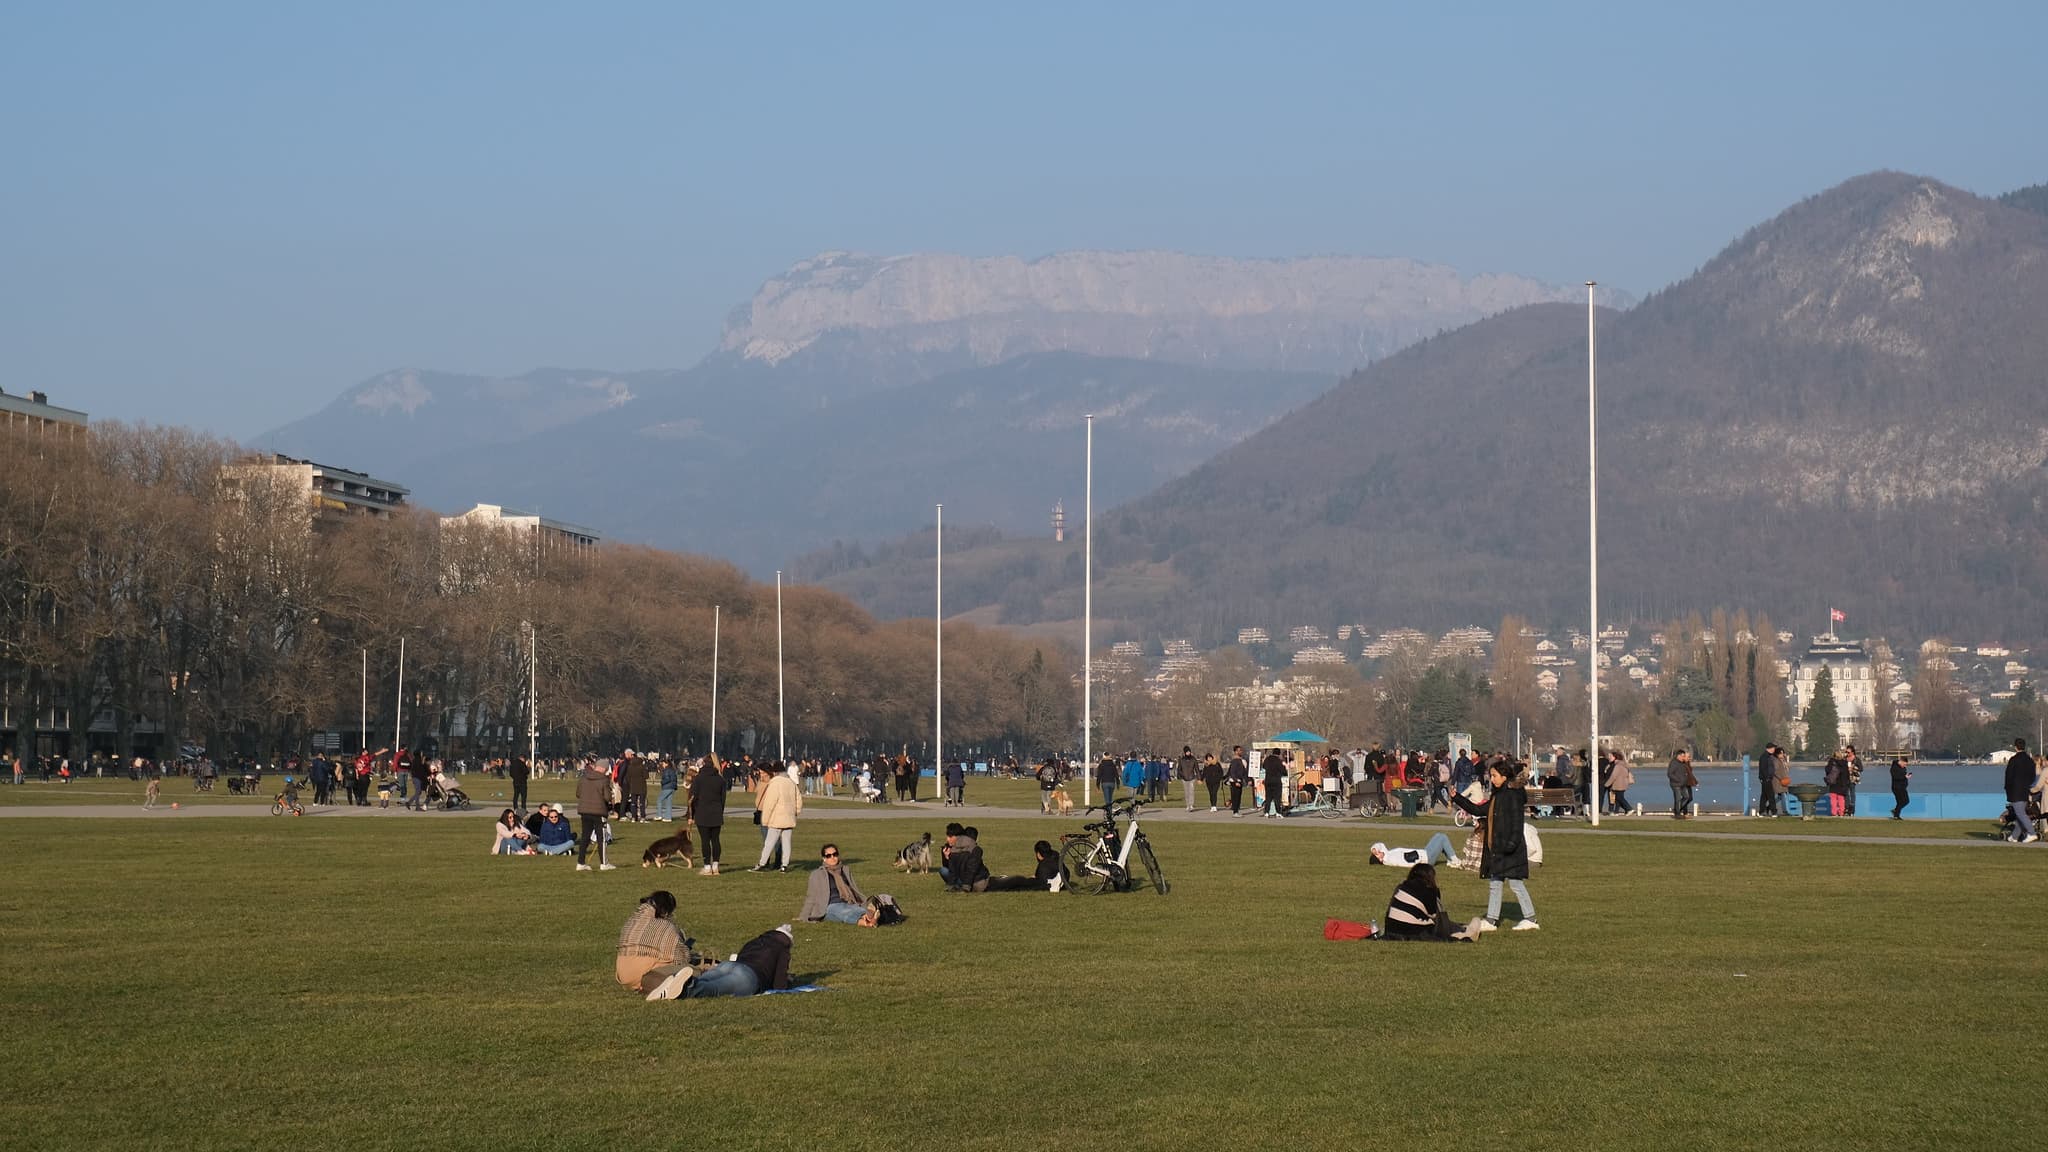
[{"x": 887, "y": 911}]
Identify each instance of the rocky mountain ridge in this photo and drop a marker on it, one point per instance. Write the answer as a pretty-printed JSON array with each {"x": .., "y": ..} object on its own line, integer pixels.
[
  {"x": 1321, "y": 314},
  {"x": 1844, "y": 407}
]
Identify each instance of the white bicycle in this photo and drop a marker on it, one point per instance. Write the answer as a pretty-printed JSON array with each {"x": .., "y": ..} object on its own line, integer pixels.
[{"x": 1098, "y": 859}]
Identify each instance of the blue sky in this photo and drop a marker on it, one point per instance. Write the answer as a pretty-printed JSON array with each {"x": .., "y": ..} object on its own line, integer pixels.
[{"x": 224, "y": 214}]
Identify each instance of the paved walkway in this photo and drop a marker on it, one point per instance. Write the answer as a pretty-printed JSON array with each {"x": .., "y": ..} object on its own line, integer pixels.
[{"x": 1612, "y": 826}]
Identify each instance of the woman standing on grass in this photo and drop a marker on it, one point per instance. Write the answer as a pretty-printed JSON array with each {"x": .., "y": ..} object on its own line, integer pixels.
[
  {"x": 1504, "y": 858},
  {"x": 706, "y": 809}
]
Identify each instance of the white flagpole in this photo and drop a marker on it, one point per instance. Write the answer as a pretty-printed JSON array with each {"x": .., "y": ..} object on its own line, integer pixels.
[
  {"x": 364, "y": 730},
  {"x": 939, "y": 653},
  {"x": 1088, "y": 621},
  {"x": 532, "y": 695},
  {"x": 1593, "y": 565},
  {"x": 713, "y": 761},
  {"x": 398, "y": 722},
  {"x": 781, "y": 731}
]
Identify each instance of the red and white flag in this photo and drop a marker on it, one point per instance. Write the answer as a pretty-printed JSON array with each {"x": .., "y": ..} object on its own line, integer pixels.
[{"x": 1836, "y": 615}]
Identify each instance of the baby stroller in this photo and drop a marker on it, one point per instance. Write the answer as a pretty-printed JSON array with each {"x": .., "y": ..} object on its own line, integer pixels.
[
  {"x": 446, "y": 794},
  {"x": 242, "y": 785}
]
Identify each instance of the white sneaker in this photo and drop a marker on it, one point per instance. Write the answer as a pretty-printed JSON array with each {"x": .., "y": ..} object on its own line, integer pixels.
[
  {"x": 1212, "y": 807},
  {"x": 1525, "y": 925},
  {"x": 583, "y": 867},
  {"x": 2030, "y": 839},
  {"x": 1486, "y": 925},
  {"x": 1057, "y": 882},
  {"x": 607, "y": 867},
  {"x": 704, "y": 871},
  {"x": 672, "y": 988}
]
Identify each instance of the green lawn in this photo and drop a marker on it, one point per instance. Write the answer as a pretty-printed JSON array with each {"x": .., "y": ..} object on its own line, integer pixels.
[{"x": 372, "y": 984}]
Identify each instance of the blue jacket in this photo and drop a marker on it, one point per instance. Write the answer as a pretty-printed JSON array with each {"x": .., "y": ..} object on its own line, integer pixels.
[
  {"x": 553, "y": 832},
  {"x": 1134, "y": 773}
]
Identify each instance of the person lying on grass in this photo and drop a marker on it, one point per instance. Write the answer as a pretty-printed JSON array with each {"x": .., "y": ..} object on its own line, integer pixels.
[
  {"x": 831, "y": 894},
  {"x": 651, "y": 945},
  {"x": 1439, "y": 844},
  {"x": 1416, "y": 911},
  {"x": 761, "y": 965},
  {"x": 1047, "y": 878}
]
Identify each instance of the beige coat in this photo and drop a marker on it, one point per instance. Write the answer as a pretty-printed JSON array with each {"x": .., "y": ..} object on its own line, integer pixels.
[{"x": 779, "y": 802}]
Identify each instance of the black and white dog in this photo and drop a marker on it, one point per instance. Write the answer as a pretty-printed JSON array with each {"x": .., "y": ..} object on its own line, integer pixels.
[{"x": 916, "y": 856}]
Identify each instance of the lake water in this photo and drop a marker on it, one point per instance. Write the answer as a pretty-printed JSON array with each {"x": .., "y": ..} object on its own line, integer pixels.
[{"x": 1728, "y": 788}]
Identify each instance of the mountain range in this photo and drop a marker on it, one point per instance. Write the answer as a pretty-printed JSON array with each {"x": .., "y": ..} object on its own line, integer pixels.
[
  {"x": 853, "y": 393},
  {"x": 1847, "y": 407}
]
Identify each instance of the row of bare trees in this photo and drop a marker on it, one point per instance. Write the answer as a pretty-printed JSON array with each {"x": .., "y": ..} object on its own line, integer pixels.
[{"x": 154, "y": 591}]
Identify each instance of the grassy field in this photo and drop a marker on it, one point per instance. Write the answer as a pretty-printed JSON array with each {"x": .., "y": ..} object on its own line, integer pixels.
[{"x": 369, "y": 984}]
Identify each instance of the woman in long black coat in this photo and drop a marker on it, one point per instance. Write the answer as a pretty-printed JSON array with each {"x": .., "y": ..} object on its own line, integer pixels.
[
  {"x": 707, "y": 812},
  {"x": 1505, "y": 859}
]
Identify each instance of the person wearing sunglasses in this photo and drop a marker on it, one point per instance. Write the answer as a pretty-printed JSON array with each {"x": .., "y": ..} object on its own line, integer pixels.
[{"x": 831, "y": 893}]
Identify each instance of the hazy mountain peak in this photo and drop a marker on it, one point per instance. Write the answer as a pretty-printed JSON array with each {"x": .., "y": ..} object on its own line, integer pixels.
[{"x": 1323, "y": 313}]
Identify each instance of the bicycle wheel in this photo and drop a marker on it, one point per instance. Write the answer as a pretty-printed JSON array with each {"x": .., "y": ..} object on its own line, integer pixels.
[
  {"x": 1075, "y": 858},
  {"x": 1462, "y": 819},
  {"x": 277, "y": 807},
  {"x": 1334, "y": 812},
  {"x": 1152, "y": 866}
]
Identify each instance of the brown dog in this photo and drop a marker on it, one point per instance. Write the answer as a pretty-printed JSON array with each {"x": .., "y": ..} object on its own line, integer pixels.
[
  {"x": 1061, "y": 801},
  {"x": 668, "y": 848}
]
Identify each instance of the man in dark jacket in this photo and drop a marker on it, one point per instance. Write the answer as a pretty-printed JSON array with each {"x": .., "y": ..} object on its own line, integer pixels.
[
  {"x": 1239, "y": 777},
  {"x": 1505, "y": 855},
  {"x": 1187, "y": 769},
  {"x": 707, "y": 811},
  {"x": 1274, "y": 769},
  {"x": 1679, "y": 774},
  {"x": 521, "y": 772},
  {"x": 633, "y": 786},
  {"x": 2019, "y": 781}
]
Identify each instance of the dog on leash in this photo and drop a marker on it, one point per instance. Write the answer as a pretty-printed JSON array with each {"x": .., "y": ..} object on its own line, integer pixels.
[
  {"x": 1062, "y": 802},
  {"x": 676, "y": 847},
  {"x": 916, "y": 856}
]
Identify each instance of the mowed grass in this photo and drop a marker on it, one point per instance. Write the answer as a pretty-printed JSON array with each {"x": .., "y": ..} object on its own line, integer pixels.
[{"x": 371, "y": 984}]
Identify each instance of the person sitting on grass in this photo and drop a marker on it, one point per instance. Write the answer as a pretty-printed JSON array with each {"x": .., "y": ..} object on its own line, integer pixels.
[
  {"x": 1416, "y": 911},
  {"x": 1439, "y": 845},
  {"x": 1047, "y": 878},
  {"x": 831, "y": 894},
  {"x": 555, "y": 837},
  {"x": 651, "y": 945},
  {"x": 963, "y": 870},
  {"x": 509, "y": 837},
  {"x": 761, "y": 965}
]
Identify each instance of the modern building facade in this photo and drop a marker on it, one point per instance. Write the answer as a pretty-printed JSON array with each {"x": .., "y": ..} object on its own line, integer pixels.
[
  {"x": 34, "y": 413},
  {"x": 550, "y": 533},
  {"x": 331, "y": 491}
]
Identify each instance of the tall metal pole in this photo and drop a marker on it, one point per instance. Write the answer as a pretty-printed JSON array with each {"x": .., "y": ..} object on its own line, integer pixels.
[
  {"x": 363, "y": 733},
  {"x": 781, "y": 729},
  {"x": 1088, "y": 620},
  {"x": 532, "y": 694},
  {"x": 713, "y": 761},
  {"x": 398, "y": 721},
  {"x": 939, "y": 653},
  {"x": 1593, "y": 563}
]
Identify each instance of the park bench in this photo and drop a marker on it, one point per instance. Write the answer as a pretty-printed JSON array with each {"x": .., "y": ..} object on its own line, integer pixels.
[{"x": 1560, "y": 801}]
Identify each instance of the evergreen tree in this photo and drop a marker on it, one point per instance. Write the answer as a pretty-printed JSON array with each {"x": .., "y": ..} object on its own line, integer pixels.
[{"x": 1823, "y": 723}]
